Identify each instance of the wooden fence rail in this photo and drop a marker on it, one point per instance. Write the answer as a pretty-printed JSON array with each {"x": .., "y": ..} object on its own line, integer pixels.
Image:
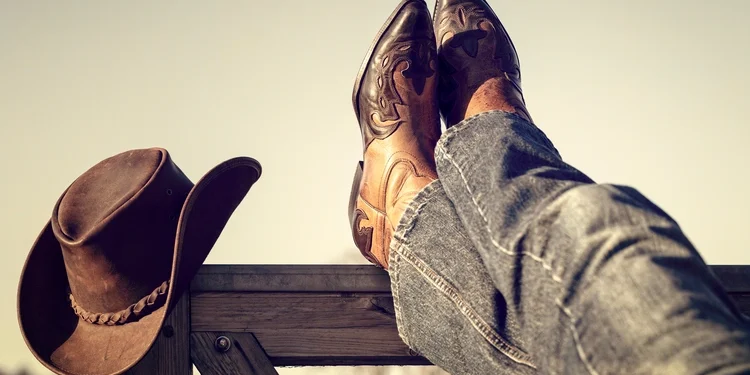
[{"x": 248, "y": 319}]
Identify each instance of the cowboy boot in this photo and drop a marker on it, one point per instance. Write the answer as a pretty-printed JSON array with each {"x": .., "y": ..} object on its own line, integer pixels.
[
  {"x": 479, "y": 69},
  {"x": 395, "y": 100}
]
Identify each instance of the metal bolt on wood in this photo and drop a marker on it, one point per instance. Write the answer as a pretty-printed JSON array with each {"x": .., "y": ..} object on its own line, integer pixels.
[{"x": 223, "y": 344}]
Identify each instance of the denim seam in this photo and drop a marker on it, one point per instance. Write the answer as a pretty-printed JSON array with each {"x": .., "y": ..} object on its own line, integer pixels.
[
  {"x": 394, "y": 267},
  {"x": 398, "y": 254},
  {"x": 489, "y": 231},
  {"x": 577, "y": 338},
  {"x": 394, "y": 271},
  {"x": 481, "y": 326},
  {"x": 440, "y": 151}
]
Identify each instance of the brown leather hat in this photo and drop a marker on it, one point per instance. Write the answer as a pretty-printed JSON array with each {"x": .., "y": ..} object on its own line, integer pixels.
[{"x": 124, "y": 241}]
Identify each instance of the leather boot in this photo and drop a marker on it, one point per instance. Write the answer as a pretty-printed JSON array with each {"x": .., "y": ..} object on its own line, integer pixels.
[
  {"x": 395, "y": 100},
  {"x": 478, "y": 63}
]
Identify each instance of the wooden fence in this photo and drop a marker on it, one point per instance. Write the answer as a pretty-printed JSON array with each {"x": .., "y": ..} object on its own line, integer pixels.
[{"x": 249, "y": 319}]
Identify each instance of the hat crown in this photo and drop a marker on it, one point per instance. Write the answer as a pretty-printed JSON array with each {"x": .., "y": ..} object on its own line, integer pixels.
[
  {"x": 103, "y": 189},
  {"x": 116, "y": 225}
]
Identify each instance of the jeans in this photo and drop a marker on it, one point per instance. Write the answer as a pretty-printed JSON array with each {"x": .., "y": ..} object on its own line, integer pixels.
[{"x": 514, "y": 262}]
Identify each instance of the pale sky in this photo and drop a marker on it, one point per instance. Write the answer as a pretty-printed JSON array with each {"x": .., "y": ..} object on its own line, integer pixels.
[{"x": 649, "y": 94}]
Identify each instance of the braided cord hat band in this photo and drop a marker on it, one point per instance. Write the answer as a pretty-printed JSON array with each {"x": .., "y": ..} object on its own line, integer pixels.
[{"x": 131, "y": 313}]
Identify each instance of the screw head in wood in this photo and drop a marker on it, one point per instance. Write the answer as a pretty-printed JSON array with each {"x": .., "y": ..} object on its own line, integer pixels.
[
  {"x": 168, "y": 331},
  {"x": 222, "y": 344}
]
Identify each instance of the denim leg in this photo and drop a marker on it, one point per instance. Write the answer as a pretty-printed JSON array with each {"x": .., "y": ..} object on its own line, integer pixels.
[
  {"x": 447, "y": 307},
  {"x": 598, "y": 279}
]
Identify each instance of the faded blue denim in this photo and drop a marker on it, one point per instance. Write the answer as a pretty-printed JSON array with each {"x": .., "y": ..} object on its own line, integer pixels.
[{"x": 514, "y": 262}]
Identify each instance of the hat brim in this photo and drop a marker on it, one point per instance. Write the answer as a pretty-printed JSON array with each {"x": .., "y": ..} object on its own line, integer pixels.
[{"x": 68, "y": 345}]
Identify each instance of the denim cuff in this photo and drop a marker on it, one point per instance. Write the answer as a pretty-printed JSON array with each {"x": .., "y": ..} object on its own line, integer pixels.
[{"x": 514, "y": 124}]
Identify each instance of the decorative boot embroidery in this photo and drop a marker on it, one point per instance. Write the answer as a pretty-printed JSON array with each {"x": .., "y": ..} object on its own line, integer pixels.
[
  {"x": 380, "y": 106},
  {"x": 363, "y": 235},
  {"x": 462, "y": 27}
]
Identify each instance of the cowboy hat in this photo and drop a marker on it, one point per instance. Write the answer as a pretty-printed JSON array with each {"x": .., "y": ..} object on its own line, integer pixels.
[{"x": 124, "y": 241}]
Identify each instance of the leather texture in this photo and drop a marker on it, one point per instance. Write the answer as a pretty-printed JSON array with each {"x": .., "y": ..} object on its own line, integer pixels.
[
  {"x": 395, "y": 100},
  {"x": 473, "y": 47},
  {"x": 123, "y": 243}
]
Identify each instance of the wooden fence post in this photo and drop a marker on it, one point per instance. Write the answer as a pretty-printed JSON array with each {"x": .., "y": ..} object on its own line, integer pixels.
[{"x": 170, "y": 354}]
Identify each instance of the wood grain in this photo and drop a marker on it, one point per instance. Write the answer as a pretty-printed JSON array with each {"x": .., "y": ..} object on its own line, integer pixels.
[
  {"x": 332, "y": 343},
  {"x": 250, "y": 312},
  {"x": 170, "y": 354},
  {"x": 244, "y": 357},
  {"x": 337, "y": 347},
  {"x": 255, "y": 355},
  {"x": 284, "y": 278}
]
